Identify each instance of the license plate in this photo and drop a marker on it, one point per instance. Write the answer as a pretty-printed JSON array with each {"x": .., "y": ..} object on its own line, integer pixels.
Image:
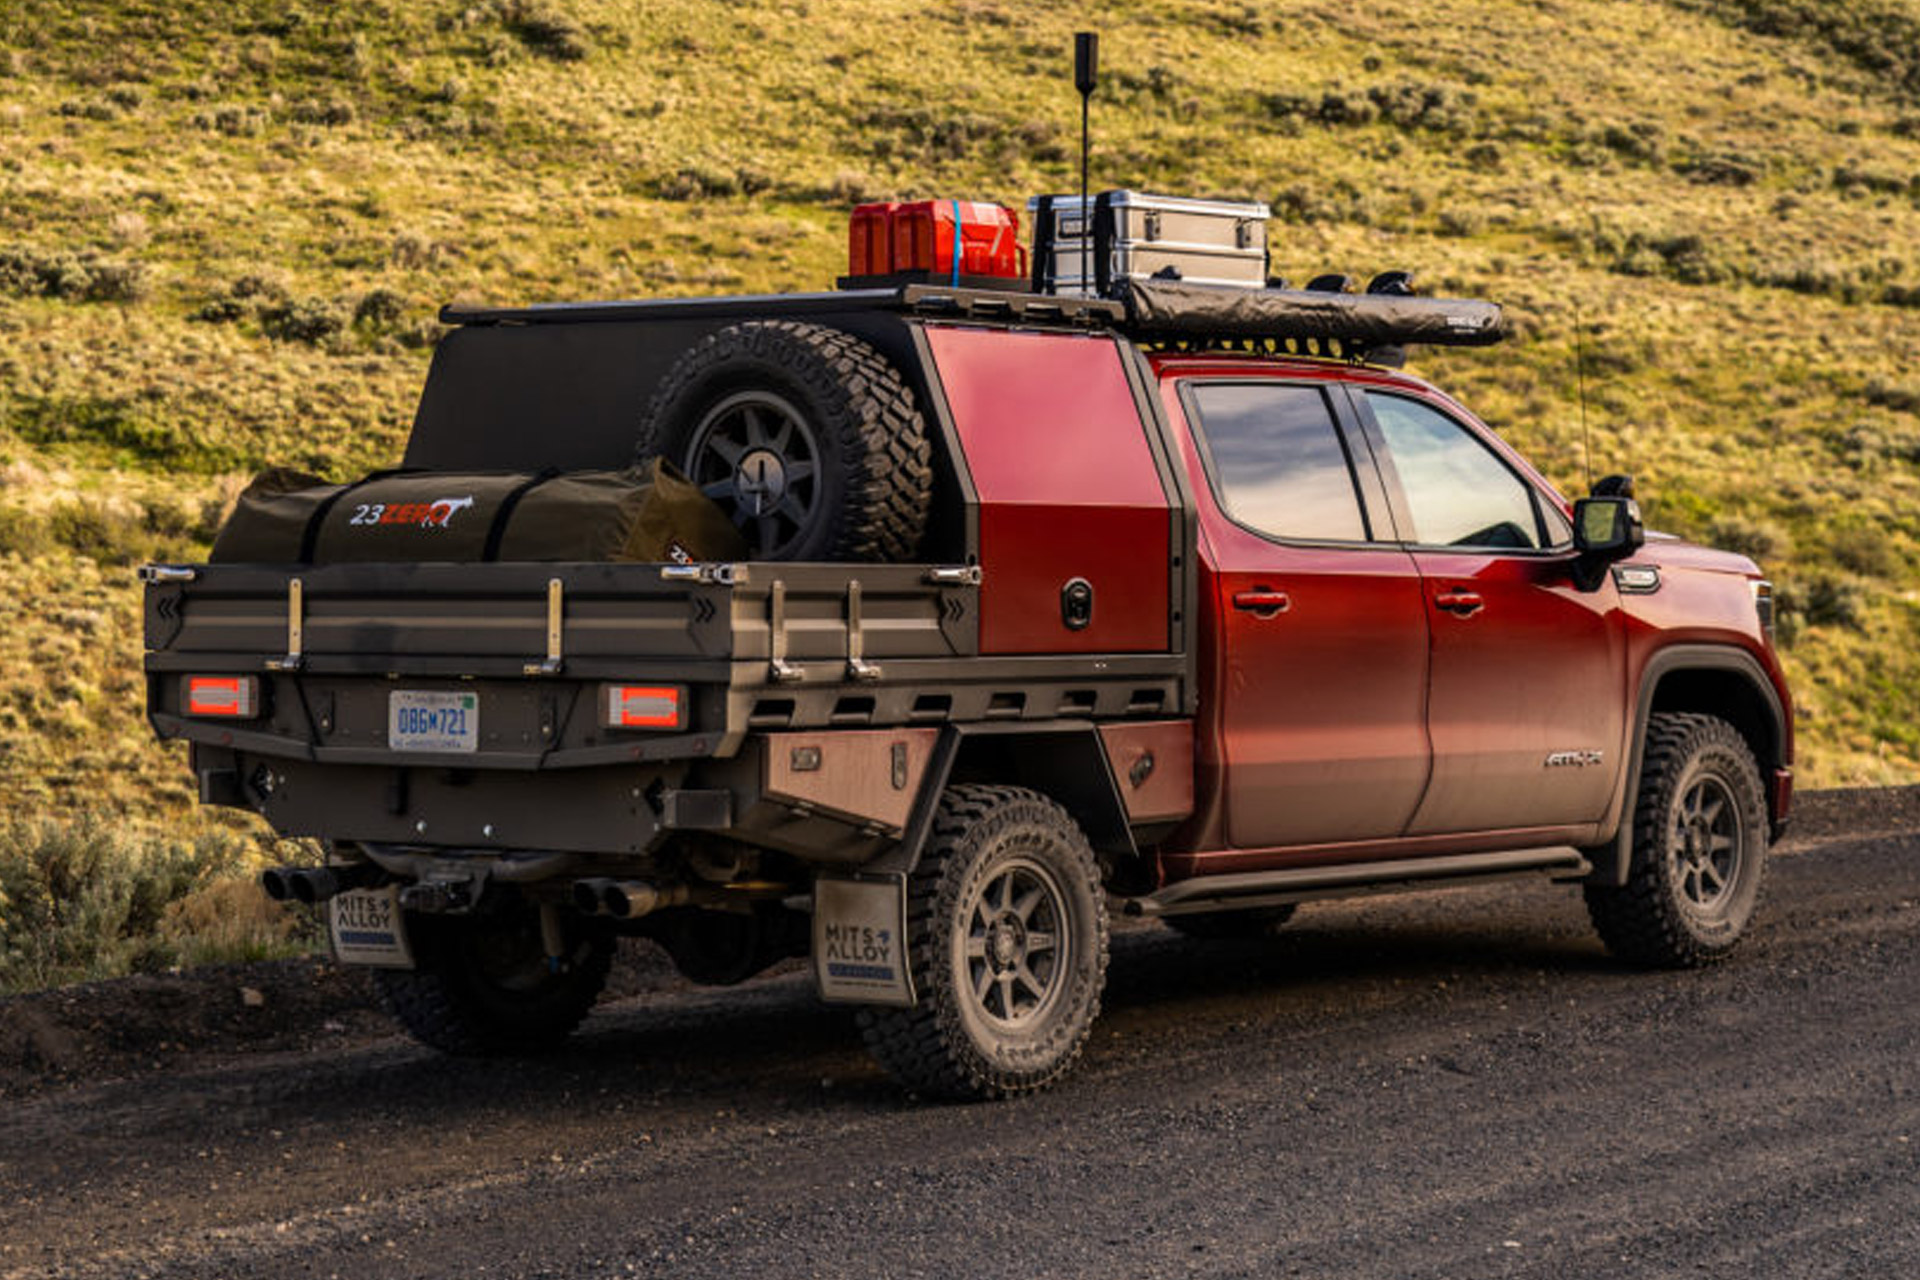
[
  {"x": 421, "y": 721},
  {"x": 368, "y": 927}
]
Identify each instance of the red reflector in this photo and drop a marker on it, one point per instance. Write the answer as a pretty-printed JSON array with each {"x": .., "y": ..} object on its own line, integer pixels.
[
  {"x": 640, "y": 706},
  {"x": 231, "y": 697}
]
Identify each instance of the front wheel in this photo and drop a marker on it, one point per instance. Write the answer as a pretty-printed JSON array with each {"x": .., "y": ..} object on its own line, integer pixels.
[
  {"x": 1007, "y": 933},
  {"x": 1699, "y": 848}
]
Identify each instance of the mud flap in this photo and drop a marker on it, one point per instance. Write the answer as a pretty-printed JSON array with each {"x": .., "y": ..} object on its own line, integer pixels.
[
  {"x": 859, "y": 939},
  {"x": 367, "y": 927}
]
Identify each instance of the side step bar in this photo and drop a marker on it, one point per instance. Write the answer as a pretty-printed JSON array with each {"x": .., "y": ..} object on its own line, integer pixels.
[{"x": 1301, "y": 884}]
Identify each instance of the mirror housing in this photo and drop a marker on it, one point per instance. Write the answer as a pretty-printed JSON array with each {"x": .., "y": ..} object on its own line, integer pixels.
[{"x": 1605, "y": 529}]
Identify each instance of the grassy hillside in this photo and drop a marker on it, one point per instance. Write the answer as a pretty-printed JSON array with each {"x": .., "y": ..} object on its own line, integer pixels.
[{"x": 225, "y": 230}]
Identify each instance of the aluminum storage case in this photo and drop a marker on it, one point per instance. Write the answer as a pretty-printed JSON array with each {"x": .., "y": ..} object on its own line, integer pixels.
[{"x": 1139, "y": 236}]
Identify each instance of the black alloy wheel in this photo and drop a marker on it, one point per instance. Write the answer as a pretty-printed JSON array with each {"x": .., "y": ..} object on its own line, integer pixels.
[{"x": 1699, "y": 848}]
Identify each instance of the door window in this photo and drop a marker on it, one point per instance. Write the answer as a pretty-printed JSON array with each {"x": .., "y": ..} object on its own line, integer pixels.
[
  {"x": 1279, "y": 465},
  {"x": 1459, "y": 493}
]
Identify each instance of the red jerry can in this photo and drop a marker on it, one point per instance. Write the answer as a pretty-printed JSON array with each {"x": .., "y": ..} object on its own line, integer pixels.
[
  {"x": 939, "y": 239},
  {"x": 870, "y": 239},
  {"x": 957, "y": 238}
]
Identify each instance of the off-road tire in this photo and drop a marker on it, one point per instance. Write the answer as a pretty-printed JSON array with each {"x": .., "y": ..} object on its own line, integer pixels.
[
  {"x": 992, "y": 848},
  {"x": 1699, "y": 848},
  {"x": 781, "y": 396},
  {"x": 483, "y": 986},
  {"x": 1231, "y": 926}
]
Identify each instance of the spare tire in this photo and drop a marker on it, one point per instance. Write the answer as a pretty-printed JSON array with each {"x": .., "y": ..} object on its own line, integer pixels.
[{"x": 806, "y": 435}]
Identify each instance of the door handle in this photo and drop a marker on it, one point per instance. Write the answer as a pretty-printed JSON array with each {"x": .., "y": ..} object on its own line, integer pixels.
[
  {"x": 1262, "y": 602},
  {"x": 1463, "y": 604}
]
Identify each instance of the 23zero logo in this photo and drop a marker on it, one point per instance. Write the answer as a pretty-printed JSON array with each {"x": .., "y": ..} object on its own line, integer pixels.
[{"x": 422, "y": 515}]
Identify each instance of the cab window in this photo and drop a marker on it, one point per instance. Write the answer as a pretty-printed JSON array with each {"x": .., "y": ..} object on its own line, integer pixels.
[
  {"x": 1458, "y": 492},
  {"x": 1278, "y": 461}
]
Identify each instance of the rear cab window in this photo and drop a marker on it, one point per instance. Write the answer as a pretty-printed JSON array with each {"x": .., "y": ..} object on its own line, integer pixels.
[{"x": 1278, "y": 461}]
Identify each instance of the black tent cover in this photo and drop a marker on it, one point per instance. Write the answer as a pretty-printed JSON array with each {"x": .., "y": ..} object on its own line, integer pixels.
[{"x": 1175, "y": 309}]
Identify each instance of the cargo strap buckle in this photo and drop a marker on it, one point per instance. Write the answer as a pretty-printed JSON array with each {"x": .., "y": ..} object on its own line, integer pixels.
[
  {"x": 556, "y": 616},
  {"x": 782, "y": 671},
  {"x": 296, "y": 628},
  {"x": 858, "y": 668}
]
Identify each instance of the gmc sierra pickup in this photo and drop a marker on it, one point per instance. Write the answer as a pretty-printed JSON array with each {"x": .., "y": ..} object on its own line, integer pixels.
[{"x": 1181, "y": 604}]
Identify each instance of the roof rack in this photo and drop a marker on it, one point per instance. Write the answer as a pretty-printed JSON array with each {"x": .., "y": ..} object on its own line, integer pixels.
[
  {"x": 970, "y": 303},
  {"x": 1170, "y": 314}
]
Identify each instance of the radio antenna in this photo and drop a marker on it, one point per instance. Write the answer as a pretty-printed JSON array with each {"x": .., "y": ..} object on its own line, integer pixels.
[
  {"x": 1580, "y": 380},
  {"x": 1086, "y": 66}
]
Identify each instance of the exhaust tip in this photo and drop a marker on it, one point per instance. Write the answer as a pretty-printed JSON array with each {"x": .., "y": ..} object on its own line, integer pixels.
[
  {"x": 274, "y": 881},
  {"x": 626, "y": 899},
  {"x": 305, "y": 890},
  {"x": 587, "y": 895}
]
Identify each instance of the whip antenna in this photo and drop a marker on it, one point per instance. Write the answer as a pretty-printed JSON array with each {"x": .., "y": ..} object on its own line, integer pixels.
[
  {"x": 1580, "y": 380},
  {"x": 1086, "y": 65}
]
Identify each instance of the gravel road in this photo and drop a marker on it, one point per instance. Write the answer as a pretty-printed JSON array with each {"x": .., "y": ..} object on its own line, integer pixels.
[{"x": 1446, "y": 1085}]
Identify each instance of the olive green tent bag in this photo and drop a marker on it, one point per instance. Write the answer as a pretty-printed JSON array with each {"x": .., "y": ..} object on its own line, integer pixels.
[{"x": 646, "y": 513}]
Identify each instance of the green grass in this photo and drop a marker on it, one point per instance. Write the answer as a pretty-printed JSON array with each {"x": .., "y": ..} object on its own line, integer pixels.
[
  {"x": 82, "y": 899},
  {"x": 226, "y": 229}
]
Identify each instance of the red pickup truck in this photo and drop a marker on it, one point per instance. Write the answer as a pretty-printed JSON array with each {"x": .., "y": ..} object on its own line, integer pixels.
[{"x": 1180, "y": 605}]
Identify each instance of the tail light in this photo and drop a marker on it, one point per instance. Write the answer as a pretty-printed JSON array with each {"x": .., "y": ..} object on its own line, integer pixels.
[
  {"x": 642, "y": 706},
  {"x": 221, "y": 697}
]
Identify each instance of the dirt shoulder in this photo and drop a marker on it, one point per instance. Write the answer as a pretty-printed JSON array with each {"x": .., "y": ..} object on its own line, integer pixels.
[{"x": 1430, "y": 1086}]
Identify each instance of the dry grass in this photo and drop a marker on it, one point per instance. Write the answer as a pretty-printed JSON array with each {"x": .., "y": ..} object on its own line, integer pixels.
[{"x": 225, "y": 231}]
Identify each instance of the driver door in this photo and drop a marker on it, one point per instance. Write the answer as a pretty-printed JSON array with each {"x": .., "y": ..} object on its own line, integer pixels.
[{"x": 1528, "y": 680}]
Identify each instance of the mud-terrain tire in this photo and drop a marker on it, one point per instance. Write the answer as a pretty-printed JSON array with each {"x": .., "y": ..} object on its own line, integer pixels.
[
  {"x": 1231, "y": 926},
  {"x": 1007, "y": 937},
  {"x": 483, "y": 986},
  {"x": 1699, "y": 848},
  {"x": 807, "y": 436}
]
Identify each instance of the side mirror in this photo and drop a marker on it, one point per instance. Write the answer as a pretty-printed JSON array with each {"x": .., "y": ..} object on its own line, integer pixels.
[
  {"x": 1608, "y": 527},
  {"x": 1605, "y": 529}
]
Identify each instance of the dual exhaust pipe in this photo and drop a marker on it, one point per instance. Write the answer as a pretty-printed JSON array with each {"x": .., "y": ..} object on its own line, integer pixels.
[
  {"x": 621, "y": 899},
  {"x": 626, "y": 899},
  {"x": 313, "y": 885}
]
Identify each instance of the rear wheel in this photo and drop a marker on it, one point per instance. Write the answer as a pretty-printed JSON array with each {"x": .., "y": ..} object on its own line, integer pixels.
[
  {"x": 805, "y": 435},
  {"x": 1699, "y": 848},
  {"x": 484, "y": 984},
  {"x": 1007, "y": 932}
]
